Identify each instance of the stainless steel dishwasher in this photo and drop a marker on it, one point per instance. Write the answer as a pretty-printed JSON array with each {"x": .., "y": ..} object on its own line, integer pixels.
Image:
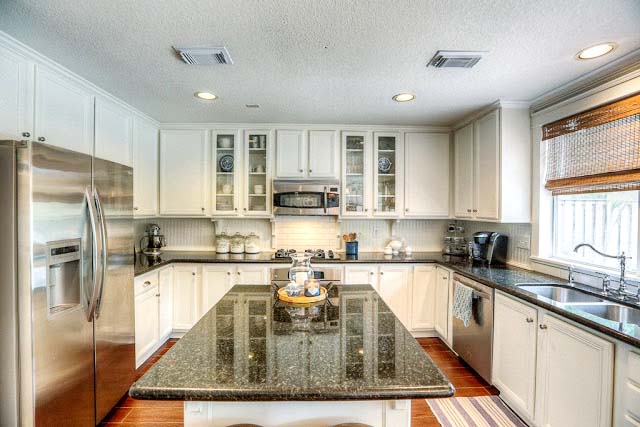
[{"x": 473, "y": 343}]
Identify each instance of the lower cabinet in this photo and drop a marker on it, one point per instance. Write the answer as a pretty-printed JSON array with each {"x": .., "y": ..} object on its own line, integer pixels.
[
  {"x": 147, "y": 311},
  {"x": 442, "y": 285},
  {"x": 216, "y": 281},
  {"x": 165, "y": 289},
  {"x": 252, "y": 274},
  {"x": 393, "y": 287},
  {"x": 560, "y": 375},
  {"x": 423, "y": 297},
  {"x": 185, "y": 296},
  {"x": 361, "y": 275}
]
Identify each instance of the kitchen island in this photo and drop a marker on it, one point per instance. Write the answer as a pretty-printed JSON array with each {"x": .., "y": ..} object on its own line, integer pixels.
[{"x": 254, "y": 359}]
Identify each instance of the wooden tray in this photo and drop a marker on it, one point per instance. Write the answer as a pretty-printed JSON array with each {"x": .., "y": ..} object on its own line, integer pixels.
[{"x": 282, "y": 295}]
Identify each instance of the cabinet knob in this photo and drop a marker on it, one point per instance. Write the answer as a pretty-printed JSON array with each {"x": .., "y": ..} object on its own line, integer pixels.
[
  {"x": 202, "y": 209},
  {"x": 193, "y": 273},
  {"x": 228, "y": 273},
  {"x": 135, "y": 208},
  {"x": 238, "y": 273},
  {"x": 468, "y": 210},
  {"x": 300, "y": 170},
  {"x": 529, "y": 320},
  {"x": 406, "y": 210},
  {"x": 375, "y": 209},
  {"x": 366, "y": 209},
  {"x": 147, "y": 283},
  {"x": 371, "y": 273},
  {"x": 235, "y": 209},
  {"x": 42, "y": 139},
  {"x": 445, "y": 278},
  {"x": 475, "y": 210},
  {"x": 244, "y": 209},
  {"x": 310, "y": 171},
  {"x": 157, "y": 295},
  {"x": 26, "y": 134},
  {"x": 543, "y": 326},
  {"x": 381, "y": 273}
]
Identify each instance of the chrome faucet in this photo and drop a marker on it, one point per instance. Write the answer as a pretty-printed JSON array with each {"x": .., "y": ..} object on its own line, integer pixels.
[{"x": 622, "y": 289}]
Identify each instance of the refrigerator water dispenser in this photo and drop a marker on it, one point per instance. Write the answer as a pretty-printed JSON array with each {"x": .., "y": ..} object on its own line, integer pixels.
[{"x": 64, "y": 275}]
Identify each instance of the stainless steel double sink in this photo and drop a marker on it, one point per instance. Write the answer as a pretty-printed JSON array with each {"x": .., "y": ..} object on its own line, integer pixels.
[{"x": 576, "y": 300}]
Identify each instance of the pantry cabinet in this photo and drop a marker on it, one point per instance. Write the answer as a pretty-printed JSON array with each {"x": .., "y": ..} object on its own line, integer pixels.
[
  {"x": 426, "y": 175},
  {"x": 442, "y": 285},
  {"x": 423, "y": 297},
  {"x": 306, "y": 154},
  {"x": 16, "y": 96},
  {"x": 492, "y": 167},
  {"x": 184, "y": 176},
  {"x": 113, "y": 132},
  {"x": 543, "y": 380},
  {"x": 63, "y": 112},
  {"x": 145, "y": 169}
]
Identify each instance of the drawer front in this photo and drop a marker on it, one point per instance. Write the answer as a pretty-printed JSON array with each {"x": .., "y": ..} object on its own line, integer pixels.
[{"x": 146, "y": 282}]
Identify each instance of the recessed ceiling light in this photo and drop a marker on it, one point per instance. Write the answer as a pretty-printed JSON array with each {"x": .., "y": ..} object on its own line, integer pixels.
[
  {"x": 205, "y": 95},
  {"x": 596, "y": 50},
  {"x": 404, "y": 97}
]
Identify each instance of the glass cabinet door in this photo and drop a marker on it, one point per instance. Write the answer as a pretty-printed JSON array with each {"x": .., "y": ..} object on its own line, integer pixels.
[
  {"x": 257, "y": 173},
  {"x": 226, "y": 172},
  {"x": 355, "y": 152},
  {"x": 387, "y": 155}
]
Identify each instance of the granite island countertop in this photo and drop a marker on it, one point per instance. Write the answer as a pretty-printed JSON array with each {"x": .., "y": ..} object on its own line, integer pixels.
[{"x": 252, "y": 347}]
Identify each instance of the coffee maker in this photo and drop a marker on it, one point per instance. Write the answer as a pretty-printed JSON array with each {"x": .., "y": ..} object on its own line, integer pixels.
[
  {"x": 155, "y": 240},
  {"x": 488, "y": 248}
]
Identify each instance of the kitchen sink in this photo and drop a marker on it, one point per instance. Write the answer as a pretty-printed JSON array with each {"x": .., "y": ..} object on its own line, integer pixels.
[
  {"x": 614, "y": 312},
  {"x": 561, "y": 294}
]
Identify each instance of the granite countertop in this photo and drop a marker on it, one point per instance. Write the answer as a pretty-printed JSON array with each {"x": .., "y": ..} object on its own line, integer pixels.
[
  {"x": 145, "y": 263},
  {"x": 251, "y": 346}
]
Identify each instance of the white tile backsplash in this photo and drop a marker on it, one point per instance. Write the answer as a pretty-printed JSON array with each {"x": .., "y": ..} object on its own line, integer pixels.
[
  {"x": 303, "y": 232},
  {"x": 515, "y": 233}
]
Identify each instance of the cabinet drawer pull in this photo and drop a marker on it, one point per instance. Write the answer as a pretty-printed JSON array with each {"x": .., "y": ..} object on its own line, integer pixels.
[
  {"x": 468, "y": 210},
  {"x": 146, "y": 283},
  {"x": 42, "y": 139},
  {"x": 475, "y": 210},
  {"x": 445, "y": 278},
  {"x": 529, "y": 319},
  {"x": 26, "y": 134},
  {"x": 543, "y": 326},
  {"x": 157, "y": 295}
]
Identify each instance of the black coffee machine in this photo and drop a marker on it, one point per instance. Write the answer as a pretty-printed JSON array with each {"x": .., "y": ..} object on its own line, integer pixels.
[{"x": 489, "y": 248}]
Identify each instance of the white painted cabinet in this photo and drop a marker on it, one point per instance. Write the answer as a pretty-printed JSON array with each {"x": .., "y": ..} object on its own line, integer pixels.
[
  {"x": 356, "y": 174},
  {"x": 393, "y": 287},
  {"x": 185, "y": 296},
  {"x": 16, "y": 96},
  {"x": 560, "y": 375},
  {"x": 145, "y": 169},
  {"x": 252, "y": 274},
  {"x": 361, "y": 275},
  {"x": 423, "y": 297},
  {"x": 257, "y": 173},
  {"x": 426, "y": 175},
  {"x": 113, "y": 132},
  {"x": 217, "y": 279},
  {"x": 463, "y": 176},
  {"x": 302, "y": 154},
  {"x": 487, "y": 161},
  {"x": 146, "y": 315},
  {"x": 574, "y": 383},
  {"x": 63, "y": 112},
  {"x": 184, "y": 177},
  {"x": 492, "y": 167},
  {"x": 290, "y": 154},
  {"x": 443, "y": 283},
  {"x": 323, "y": 154},
  {"x": 388, "y": 171},
  {"x": 514, "y": 371},
  {"x": 165, "y": 289},
  {"x": 226, "y": 167}
]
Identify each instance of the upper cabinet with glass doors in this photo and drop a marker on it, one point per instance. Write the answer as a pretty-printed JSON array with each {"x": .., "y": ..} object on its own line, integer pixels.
[
  {"x": 257, "y": 173},
  {"x": 226, "y": 154},
  {"x": 387, "y": 172},
  {"x": 356, "y": 155}
]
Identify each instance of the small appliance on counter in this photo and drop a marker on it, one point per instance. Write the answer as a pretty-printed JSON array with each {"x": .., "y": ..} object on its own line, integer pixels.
[
  {"x": 454, "y": 242},
  {"x": 488, "y": 248},
  {"x": 155, "y": 240}
]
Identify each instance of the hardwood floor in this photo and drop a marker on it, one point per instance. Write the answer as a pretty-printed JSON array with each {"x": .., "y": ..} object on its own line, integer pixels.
[{"x": 146, "y": 413}]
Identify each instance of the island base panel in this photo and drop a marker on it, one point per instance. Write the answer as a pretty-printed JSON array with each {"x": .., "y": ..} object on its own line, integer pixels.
[{"x": 377, "y": 413}]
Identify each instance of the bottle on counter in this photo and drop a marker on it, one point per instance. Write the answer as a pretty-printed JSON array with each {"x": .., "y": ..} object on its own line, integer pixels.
[
  {"x": 237, "y": 244},
  {"x": 223, "y": 243}
]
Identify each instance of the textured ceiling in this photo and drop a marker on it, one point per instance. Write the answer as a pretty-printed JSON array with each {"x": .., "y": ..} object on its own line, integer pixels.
[{"x": 317, "y": 61}]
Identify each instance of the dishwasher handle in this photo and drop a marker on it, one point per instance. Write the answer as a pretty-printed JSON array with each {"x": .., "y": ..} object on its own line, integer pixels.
[{"x": 479, "y": 290}]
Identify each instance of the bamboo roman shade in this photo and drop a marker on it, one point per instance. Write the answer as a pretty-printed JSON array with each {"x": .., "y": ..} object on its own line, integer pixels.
[{"x": 595, "y": 151}]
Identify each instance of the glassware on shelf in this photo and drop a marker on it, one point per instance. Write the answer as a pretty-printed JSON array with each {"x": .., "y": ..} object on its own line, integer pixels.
[
  {"x": 222, "y": 243},
  {"x": 300, "y": 270}
]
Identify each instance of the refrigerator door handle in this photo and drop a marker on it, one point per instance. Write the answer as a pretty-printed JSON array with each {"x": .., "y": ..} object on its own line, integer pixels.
[
  {"x": 103, "y": 251},
  {"x": 96, "y": 249}
]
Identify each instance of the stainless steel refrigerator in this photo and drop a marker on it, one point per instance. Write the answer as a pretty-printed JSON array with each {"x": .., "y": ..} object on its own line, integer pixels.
[{"x": 66, "y": 285}]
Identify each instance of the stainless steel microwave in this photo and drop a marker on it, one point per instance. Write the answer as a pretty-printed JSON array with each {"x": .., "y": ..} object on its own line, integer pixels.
[{"x": 306, "y": 197}]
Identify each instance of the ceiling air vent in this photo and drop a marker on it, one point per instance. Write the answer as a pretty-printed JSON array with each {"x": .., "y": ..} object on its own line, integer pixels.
[
  {"x": 455, "y": 59},
  {"x": 204, "y": 55}
]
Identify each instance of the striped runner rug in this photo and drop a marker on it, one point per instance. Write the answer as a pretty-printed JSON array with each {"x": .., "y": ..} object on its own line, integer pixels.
[{"x": 484, "y": 411}]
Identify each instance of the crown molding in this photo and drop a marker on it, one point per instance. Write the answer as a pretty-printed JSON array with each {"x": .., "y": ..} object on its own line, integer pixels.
[
  {"x": 489, "y": 108},
  {"x": 306, "y": 126}
]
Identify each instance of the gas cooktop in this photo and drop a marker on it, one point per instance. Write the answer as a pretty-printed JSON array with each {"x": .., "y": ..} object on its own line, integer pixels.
[{"x": 317, "y": 253}]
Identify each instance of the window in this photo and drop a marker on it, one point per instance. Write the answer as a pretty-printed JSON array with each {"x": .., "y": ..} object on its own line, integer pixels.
[{"x": 608, "y": 221}]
